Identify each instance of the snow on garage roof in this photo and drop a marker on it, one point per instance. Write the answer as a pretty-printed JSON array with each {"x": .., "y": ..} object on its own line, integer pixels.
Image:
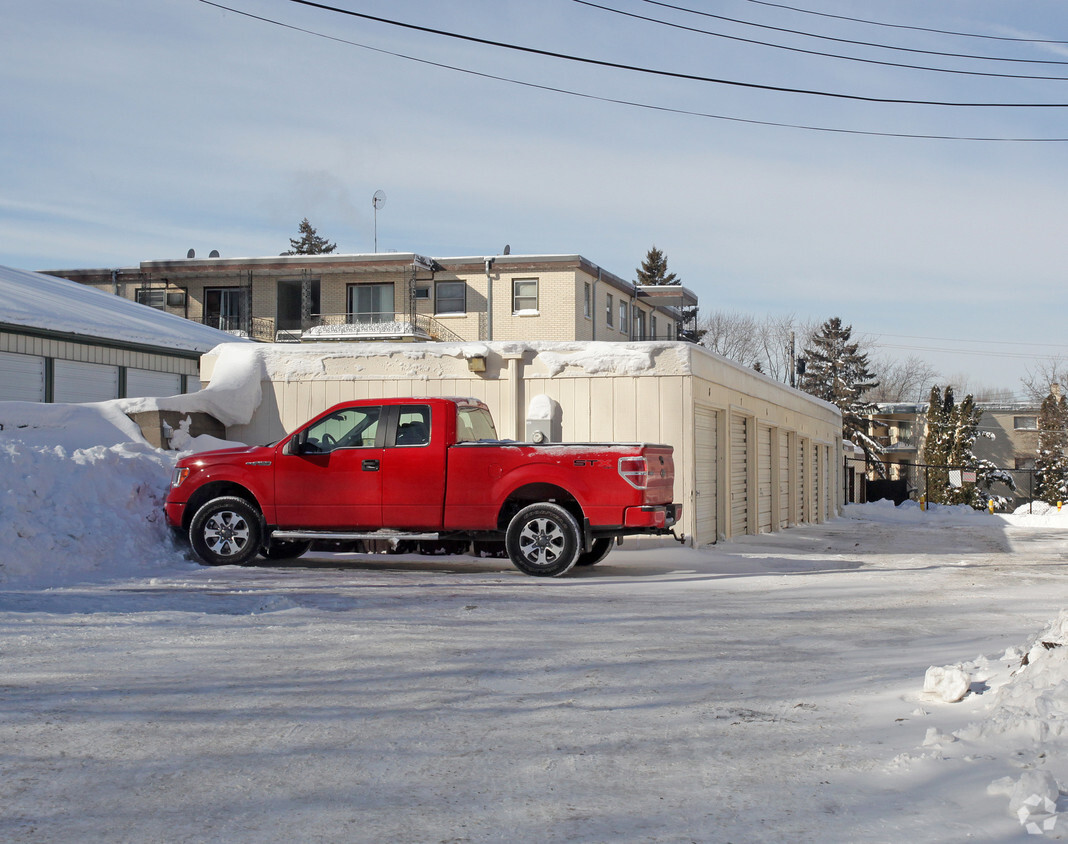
[{"x": 44, "y": 302}]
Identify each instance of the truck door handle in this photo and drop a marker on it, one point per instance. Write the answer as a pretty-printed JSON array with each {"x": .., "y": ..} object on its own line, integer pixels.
[{"x": 370, "y": 465}]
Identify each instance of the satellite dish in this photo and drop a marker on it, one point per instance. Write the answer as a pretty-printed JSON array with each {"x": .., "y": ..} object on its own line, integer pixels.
[
  {"x": 214, "y": 253},
  {"x": 507, "y": 249},
  {"x": 191, "y": 253}
]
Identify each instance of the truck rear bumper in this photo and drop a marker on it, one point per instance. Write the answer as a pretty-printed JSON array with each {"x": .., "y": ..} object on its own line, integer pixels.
[{"x": 653, "y": 518}]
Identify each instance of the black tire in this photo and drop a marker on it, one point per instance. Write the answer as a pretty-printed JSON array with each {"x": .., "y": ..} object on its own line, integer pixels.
[
  {"x": 598, "y": 551},
  {"x": 543, "y": 540},
  {"x": 226, "y": 532},
  {"x": 286, "y": 549}
]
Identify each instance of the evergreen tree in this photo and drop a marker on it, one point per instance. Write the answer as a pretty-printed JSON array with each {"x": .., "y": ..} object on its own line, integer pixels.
[
  {"x": 952, "y": 430},
  {"x": 654, "y": 269},
  {"x": 936, "y": 444},
  {"x": 837, "y": 372},
  {"x": 309, "y": 242},
  {"x": 1051, "y": 464}
]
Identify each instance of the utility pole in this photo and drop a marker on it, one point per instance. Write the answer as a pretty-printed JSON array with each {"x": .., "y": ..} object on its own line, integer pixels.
[{"x": 793, "y": 362}]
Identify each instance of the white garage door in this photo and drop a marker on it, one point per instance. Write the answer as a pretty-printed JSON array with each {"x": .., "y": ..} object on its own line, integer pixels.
[
  {"x": 22, "y": 377},
  {"x": 739, "y": 476},
  {"x": 817, "y": 481},
  {"x": 143, "y": 382},
  {"x": 706, "y": 430},
  {"x": 784, "y": 479},
  {"x": 764, "y": 478},
  {"x": 76, "y": 381}
]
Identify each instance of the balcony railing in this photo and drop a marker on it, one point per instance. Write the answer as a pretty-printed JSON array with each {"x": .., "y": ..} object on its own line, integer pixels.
[{"x": 379, "y": 325}]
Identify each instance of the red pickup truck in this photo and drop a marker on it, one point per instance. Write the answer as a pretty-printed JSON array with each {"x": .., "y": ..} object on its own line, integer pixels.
[{"x": 421, "y": 469}]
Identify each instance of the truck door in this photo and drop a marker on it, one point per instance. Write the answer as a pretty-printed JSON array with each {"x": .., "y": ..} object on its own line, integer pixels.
[
  {"x": 413, "y": 469},
  {"x": 333, "y": 478}
]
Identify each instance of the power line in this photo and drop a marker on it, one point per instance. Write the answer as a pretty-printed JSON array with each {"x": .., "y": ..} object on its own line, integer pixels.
[
  {"x": 973, "y": 340},
  {"x": 905, "y": 26},
  {"x": 822, "y": 54},
  {"x": 632, "y": 103},
  {"x": 789, "y": 31},
  {"x": 691, "y": 77}
]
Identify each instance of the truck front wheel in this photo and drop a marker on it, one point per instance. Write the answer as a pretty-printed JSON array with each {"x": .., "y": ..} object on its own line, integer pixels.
[
  {"x": 226, "y": 532},
  {"x": 543, "y": 540}
]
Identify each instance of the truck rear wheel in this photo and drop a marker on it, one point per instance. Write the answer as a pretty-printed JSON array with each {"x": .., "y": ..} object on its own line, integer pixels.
[
  {"x": 226, "y": 531},
  {"x": 543, "y": 540},
  {"x": 598, "y": 551}
]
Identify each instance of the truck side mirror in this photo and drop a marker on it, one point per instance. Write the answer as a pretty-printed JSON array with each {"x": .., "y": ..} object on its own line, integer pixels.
[{"x": 296, "y": 443}]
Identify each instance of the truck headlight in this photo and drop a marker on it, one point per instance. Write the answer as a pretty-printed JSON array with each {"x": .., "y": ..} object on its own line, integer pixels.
[{"x": 179, "y": 475}]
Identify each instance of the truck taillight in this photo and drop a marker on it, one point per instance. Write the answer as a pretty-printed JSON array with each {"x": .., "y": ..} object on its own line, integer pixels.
[{"x": 635, "y": 471}]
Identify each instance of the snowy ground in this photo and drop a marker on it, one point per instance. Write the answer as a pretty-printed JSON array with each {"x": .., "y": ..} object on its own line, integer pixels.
[{"x": 770, "y": 689}]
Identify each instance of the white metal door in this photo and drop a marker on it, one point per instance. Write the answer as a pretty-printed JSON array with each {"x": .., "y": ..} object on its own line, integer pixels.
[
  {"x": 706, "y": 431},
  {"x": 739, "y": 476},
  {"x": 76, "y": 381},
  {"x": 817, "y": 480},
  {"x": 22, "y": 377},
  {"x": 144, "y": 382},
  {"x": 784, "y": 479},
  {"x": 764, "y": 478}
]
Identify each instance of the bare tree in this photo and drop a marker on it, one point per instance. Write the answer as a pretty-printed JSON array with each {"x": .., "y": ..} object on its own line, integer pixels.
[
  {"x": 760, "y": 342},
  {"x": 733, "y": 335},
  {"x": 1039, "y": 381},
  {"x": 908, "y": 380}
]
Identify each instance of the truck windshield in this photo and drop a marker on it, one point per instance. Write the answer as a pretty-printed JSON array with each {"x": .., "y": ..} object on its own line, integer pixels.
[{"x": 474, "y": 424}]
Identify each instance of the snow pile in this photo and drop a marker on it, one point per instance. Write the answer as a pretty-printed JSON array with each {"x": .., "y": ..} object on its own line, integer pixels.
[
  {"x": 541, "y": 408},
  {"x": 1021, "y": 699},
  {"x": 948, "y": 684},
  {"x": 71, "y": 516},
  {"x": 1033, "y": 704},
  {"x": 594, "y": 358}
]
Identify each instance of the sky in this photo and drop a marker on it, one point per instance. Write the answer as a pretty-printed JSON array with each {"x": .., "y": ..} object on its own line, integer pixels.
[{"x": 137, "y": 131}]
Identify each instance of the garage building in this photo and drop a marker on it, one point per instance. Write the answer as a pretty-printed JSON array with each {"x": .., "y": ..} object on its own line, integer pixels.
[
  {"x": 751, "y": 455},
  {"x": 64, "y": 342}
]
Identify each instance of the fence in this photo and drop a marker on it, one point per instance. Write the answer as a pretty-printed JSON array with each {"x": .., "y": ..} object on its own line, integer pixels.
[{"x": 901, "y": 481}]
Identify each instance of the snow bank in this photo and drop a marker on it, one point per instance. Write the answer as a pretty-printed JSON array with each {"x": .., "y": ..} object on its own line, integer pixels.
[
  {"x": 1039, "y": 514},
  {"x": 1021, "y": 700},
  {"x": 69, "y": 516}
]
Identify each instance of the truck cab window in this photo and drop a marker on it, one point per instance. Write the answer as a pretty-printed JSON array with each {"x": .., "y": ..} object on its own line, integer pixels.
[
  {"x": 474, "y": 424},
  {"x": 354, "y": 427},
  {"x": 413, "y": 425}
]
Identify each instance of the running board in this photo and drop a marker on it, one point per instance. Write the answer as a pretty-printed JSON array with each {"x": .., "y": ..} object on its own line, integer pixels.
[{"x": 286, "y": 535}]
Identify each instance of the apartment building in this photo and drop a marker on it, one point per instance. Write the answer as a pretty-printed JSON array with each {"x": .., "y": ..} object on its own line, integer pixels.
[{"x": 403, "y": 297}]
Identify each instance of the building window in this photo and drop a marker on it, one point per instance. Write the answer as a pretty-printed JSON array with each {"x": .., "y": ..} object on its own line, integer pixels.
[
  {"x": 525, "y": 295},
  {"x": 227, "y": 308},
  {"x": 586, "y": 300},
  {"x": 652, "y": 327},
  {"x": 371, "y": 303},
  {"x": 623, "y": 317},
  {"x": 608, "y": 311},
  {"x": 639, "y": 324},
  {"x": 422, "y": 292},
  {"x": 450, "y": 297},
  {"x": 1025, "y": 423},
  {"x": 153, "y": 297}
]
